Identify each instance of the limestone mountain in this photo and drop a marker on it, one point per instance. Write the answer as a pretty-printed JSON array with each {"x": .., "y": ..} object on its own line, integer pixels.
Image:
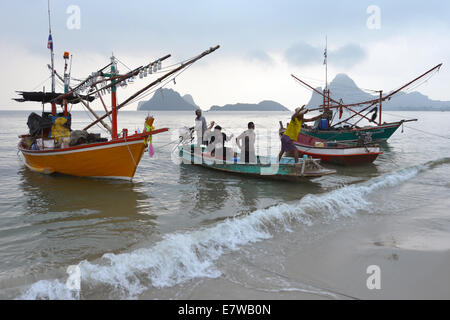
[
  {"x": 167, "y": 100},
  {"x": 343, "y": 87}
]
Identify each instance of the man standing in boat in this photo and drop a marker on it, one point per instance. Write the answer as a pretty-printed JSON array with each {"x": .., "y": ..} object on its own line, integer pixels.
[
  {"x": 246, "y": 142},
  {"x": 200, "y": 127},
  {"x": 217, "y": 144},
  {"x": 292, "y": 131}
]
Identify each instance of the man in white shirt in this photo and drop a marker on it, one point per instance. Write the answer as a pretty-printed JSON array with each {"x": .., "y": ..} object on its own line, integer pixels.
[
  {"x": 246, "y": 142},
  {"x": 200, "y": 127}
]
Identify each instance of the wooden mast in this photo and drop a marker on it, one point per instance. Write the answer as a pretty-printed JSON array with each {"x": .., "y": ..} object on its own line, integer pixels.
[
  {"x": 381, "y": 103},
  {"x": 66, "y": 80},
  {"x": 326, "y": 91},
  {"x": 113, "y": 99},
  {"x": 52, "y": 56}
]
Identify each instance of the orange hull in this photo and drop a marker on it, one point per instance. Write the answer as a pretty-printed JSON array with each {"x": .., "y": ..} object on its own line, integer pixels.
[{"x": 118, "y": 159}]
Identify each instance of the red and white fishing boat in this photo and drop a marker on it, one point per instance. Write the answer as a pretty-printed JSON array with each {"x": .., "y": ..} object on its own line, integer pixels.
[
  {"x": 52, "y": 146},
  {"x": 336, "y": 153}
]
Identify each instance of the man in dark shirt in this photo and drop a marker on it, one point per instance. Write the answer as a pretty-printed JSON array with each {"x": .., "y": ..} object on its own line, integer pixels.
[{"x": 217, "y": 142}]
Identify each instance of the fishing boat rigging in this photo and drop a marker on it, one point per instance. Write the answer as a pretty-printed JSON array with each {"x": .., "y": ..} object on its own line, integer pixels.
[
  {"x": 52, "y": 146},
  {"x": 345, "y": 131}
]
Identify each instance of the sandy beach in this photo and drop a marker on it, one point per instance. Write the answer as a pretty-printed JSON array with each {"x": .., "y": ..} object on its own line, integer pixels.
[{"x": 414, "y": 265}]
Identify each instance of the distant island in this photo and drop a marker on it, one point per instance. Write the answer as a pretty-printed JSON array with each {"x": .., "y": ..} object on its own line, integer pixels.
[
  {"x": 262, "y": 106},
  {"x": 168, "y": 100},
  {"x": 343, "y": 87}
]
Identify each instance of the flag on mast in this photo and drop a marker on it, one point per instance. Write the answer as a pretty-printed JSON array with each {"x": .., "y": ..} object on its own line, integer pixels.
[
  {"x": 325, "y": 56},
  {"x": 50, "y": 42}
]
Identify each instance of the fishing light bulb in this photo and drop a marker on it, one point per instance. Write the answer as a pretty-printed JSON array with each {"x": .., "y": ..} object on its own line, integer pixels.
[
  {"x": 150, "y": 71},
  {"x": 159, "y": 65},
  {"x": 155, "y": 67},
  {"x": 145, "y": 73},
  {"x": 141, "y": 75}
]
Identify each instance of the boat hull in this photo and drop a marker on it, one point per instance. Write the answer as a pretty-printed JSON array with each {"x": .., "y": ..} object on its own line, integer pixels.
[
  {"x": 265, "y": 168},
  {"x": 378, "y": 133},
  {"x": 339, "y": 153},
  {"x": 355, "y": 156},
  {"x": 114, "y": 159}
]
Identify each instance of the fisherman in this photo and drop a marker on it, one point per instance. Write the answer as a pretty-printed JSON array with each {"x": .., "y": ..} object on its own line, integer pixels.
[
  {"x": 292, "y": 131},
  {"x": 246, "y": 142},
  {"x": 217, "y": 143},
  {"x": 200, "y": 127}
]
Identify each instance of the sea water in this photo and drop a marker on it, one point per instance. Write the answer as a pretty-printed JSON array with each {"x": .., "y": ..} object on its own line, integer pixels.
[{"x": 181, "y": 231}]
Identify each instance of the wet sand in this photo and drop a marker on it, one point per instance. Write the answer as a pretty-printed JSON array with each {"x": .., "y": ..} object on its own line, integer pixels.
[{"x": 412, "y": 267}]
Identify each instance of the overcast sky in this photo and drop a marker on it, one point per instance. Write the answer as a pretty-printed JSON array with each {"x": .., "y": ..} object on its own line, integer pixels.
[{"x": 262, "y": 43}]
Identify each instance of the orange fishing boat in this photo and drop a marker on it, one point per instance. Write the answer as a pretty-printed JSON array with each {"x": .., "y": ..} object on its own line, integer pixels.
[
  {"x": 117, "y": 158},
  {"x": 53, "y": 147}
]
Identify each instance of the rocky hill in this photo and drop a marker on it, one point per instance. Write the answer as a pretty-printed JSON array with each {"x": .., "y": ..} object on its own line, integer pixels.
[
  {"x": 168, "y": 100},
  {"x": 343, "y": 87},
  {"x": 262, "y": 106}
]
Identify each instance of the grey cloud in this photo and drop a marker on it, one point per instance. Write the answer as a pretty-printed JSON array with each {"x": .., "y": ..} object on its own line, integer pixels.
[
  {"x": 348, "y": 55},
  {"x": 260, "y": 56},
  {"x": 302, "y": 54}
]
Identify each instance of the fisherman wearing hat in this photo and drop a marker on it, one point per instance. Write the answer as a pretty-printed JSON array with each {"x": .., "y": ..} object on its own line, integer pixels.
[{"x": 292, "y": 131}]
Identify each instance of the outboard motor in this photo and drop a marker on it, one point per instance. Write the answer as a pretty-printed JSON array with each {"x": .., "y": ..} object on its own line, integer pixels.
[
  {"x": 186, "y": 135},
  {"x": 364, "y": 138}
]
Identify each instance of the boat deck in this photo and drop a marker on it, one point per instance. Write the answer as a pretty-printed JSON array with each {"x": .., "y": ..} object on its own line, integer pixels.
[{"x": 263, "y": 167}]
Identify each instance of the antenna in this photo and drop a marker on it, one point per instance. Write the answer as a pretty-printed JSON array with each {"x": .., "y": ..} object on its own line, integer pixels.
[
  {"x": 50, "y": 46},
  {"x": 326, "y": 61}
]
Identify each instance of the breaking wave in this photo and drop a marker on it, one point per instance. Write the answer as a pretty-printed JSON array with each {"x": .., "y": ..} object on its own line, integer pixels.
[{"x": 180, "y": 257}]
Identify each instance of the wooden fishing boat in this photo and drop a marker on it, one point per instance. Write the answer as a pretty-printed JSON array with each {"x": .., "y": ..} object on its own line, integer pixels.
[
  {"x": 347, "y": 129},
  {"x": 336, "y": 153},
  {"x": 117, "y": 158},
  {"x": 349, "y": 134},
  {"x": 53, "y": 147},
  {"x": 264, "y": 167}
]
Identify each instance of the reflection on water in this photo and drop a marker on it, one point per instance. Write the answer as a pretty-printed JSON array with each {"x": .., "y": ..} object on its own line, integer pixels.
[
  {"x": 61, "y": 193},
  {"x": 213, "y": 190},
  {"x": 66, "y": 218},
  {"x": 209, "y": 193}
]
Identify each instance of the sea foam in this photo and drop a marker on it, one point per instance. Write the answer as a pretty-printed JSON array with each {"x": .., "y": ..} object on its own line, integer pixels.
[{"x": 183, "y": 256}]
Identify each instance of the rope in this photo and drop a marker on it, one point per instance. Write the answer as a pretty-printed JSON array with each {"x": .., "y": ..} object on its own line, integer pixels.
[
  {"x": 123, "y": 64},
  {"x": 338, "y": 86},
  {"x": 41, "y": 83},
  {"x": 305, "y": 283},
  {"x": 131, "y": 155},
  {"x": 430, "y": 133},
  {"x": 167, "y": 144},
  {"x": 426, "y": 132},
  {"x": 97, "y": 124}
]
